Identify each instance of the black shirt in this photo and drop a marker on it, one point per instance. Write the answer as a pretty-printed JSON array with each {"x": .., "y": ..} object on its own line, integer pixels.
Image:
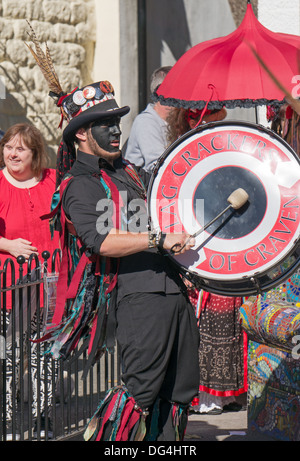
[{"x": 86, "y": 205}]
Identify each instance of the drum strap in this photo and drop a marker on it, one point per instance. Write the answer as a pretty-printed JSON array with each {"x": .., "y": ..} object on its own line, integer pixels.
[{"x": 68, "y": 323}]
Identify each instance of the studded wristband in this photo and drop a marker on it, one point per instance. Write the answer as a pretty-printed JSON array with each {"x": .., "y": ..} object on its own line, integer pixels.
[{"x": 154, "y": 238}]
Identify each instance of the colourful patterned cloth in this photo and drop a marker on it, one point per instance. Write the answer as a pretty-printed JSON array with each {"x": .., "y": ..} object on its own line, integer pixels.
[
  {"x": 223, "y": 347},
  {"x": 272, "y": 321},
  {"x": 274, "y": 318},
  {"x": 274, "y": 392}
]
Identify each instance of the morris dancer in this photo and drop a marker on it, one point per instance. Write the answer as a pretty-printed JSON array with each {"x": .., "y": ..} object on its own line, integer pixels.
[
  {"x": 122, "y": 285},
  {"x": 122, "y": 279}
]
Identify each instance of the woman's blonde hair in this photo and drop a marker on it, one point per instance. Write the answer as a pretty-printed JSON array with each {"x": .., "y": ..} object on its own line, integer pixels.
[{"x": 33, "y": 139}]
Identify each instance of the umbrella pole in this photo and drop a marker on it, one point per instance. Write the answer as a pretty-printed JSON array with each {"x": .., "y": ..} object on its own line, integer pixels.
[{"x": 256, "y": 115}]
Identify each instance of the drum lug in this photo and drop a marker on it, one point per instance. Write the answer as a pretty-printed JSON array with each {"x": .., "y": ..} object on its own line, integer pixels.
[{"x": 257, "y": 285}]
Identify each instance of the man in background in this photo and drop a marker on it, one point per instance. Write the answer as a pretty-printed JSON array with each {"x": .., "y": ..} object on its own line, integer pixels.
[{"x": 148, "y": 136}]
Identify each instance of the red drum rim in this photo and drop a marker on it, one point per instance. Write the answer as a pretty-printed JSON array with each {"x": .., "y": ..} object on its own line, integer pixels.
[{"x": 262, "y": 247}]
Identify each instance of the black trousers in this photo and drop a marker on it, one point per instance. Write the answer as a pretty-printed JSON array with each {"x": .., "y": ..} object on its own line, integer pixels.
[{"x": 159, "y": 342}]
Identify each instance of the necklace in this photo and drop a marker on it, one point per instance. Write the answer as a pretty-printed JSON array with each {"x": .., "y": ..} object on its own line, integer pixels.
[{"x": 31, "y": 182}]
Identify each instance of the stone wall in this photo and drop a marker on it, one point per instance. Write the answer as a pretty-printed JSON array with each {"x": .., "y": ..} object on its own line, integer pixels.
[{"x": 68, "y": 28}]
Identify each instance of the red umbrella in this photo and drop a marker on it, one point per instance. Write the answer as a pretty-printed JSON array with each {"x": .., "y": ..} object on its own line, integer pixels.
[{"x": 225, "y": 72}]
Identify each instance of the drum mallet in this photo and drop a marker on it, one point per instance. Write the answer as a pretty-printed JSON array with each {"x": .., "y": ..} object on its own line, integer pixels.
[{"x": 236, "y": 200}]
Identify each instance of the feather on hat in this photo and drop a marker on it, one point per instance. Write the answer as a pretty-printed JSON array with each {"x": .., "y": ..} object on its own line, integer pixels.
[{"x": 79, "y": 107}]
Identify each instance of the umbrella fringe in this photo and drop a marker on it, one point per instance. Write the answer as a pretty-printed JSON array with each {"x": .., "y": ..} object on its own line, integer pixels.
[{"x": 217, "y": 105}]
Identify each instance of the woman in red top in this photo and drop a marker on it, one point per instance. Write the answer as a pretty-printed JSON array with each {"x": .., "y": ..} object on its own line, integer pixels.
[
  {"x": 26, "y": 187},
  {"x": 26, "y": 192}
]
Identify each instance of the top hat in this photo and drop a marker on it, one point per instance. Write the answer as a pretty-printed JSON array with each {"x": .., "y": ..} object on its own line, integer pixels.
[{"x": 88, "y": 104}]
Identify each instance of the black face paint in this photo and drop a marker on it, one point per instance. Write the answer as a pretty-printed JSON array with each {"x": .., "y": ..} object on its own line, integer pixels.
[{"x": 107, "y": 134}]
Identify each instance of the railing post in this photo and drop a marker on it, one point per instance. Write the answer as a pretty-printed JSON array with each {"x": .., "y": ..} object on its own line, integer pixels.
[
  {"x": 5, "y": 290},
  {"x": 56, "y": 253},
  {"x": 21, "y": 260},
  {"x": 2, "y": 360},
  {"x": 33, "y": 309},
  {"x": 45, "y": 256}
]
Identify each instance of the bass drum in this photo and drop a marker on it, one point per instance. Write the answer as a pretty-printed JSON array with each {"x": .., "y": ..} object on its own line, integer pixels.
[{"x": 245, "y": 251}]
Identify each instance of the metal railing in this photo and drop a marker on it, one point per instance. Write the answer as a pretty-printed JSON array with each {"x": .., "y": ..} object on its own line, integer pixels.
[{"x": 42, "y": 398}]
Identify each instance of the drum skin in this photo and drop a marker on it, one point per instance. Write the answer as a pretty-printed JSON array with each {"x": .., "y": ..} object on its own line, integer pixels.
[{"x": 246, "y": 251}]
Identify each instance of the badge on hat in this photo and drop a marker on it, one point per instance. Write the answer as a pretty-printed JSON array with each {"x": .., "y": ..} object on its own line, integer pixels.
[
  {"x": 78, "y": 98},
  {"x": 89, "y": 92}
]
